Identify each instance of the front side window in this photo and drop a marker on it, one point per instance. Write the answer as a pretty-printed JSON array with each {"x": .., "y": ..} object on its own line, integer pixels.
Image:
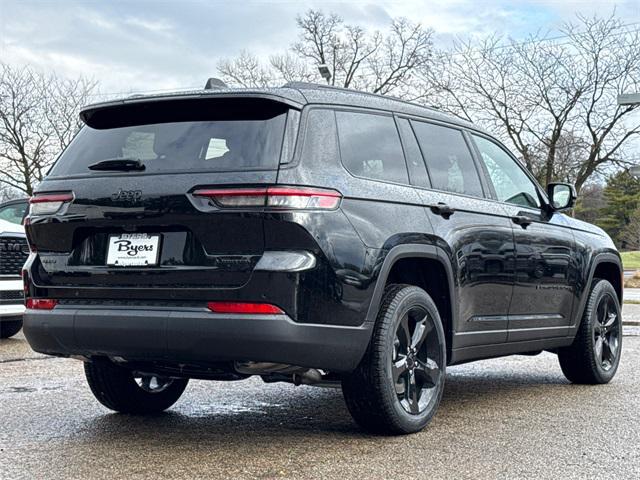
[
  {"x": 370, "y": 146},
  {"x": 449, "y": 161},
  {"x": 509, "y": 181}
]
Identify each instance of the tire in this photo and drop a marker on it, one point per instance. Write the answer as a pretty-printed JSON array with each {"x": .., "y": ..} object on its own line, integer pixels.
[
  {"x": 117, "y": 389},
  {"x": 379, "y": 403},
  {"x": 594, "y": 355},
  {"x": 10, "y": 328}
]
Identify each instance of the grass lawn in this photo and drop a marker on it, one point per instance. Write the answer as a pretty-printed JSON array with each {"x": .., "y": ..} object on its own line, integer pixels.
[{"x": 631, "y": 260}]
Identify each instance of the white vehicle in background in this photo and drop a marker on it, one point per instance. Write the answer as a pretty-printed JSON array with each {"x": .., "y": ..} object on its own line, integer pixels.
[{"x": 13, "y": 253}]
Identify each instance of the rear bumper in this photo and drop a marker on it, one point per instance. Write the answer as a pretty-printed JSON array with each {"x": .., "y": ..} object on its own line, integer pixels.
[
  {"x": 11, "y": 311},
  {"x": 10, "y": 308},
  {"x": 193, "y": 336}
]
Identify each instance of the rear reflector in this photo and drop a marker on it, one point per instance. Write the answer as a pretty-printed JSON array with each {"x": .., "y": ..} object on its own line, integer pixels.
[
  {"x": 41, "y": 303},
  {"x": 240, "y": 307},
  {"x": 48, "y": 203},
  {"x": 277, "y": 197}
]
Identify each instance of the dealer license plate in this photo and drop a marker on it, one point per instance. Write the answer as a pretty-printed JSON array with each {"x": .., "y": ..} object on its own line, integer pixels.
[{"x": 133, "y": 250}]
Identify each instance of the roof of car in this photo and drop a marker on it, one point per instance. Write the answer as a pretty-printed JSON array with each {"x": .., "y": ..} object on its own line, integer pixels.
[{"x": 297, "y": 94}]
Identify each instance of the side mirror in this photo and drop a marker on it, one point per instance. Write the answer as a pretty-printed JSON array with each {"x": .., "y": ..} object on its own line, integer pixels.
[{"x": 562, "y": 196}]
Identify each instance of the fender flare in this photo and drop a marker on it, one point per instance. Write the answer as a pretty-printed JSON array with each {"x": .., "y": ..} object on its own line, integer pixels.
[
  {"x": 407, "y": 251},
  {"x": 599, "y": 258}
]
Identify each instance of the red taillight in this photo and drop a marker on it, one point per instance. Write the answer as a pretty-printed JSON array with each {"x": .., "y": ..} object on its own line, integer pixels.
[
  {"x": 235, "y": 197},
  {"x": 242, "y": 307},
  {"x": 51, "y": 197},
  {"x": 41, "y": 303},
  {"x": 277, "y": 197},
  {"x": 48, "y": 203}
]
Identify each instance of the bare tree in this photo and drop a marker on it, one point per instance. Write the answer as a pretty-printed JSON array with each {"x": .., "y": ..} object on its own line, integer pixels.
[
  {"x": 38, "y": 119},
  {"x": 609, "y": 59},
  {"x": 320, "y": 42},
  {"x": 405, "y": 50},
  {"x": 246, "y": 71},
  {"x": 554, "y": 101},
  {"x": 291, "y": 68},
  {"x": 369, "y": 61},
  {"x": 7, "y": 193}
]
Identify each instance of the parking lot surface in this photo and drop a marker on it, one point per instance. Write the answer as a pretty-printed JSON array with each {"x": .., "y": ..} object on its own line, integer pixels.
[{"x": 515, "y": 417}]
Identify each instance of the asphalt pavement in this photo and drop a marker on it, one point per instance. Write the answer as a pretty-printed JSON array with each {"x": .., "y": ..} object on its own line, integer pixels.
[
  {"x": 632, "y": 294},
  {"x": 515, "y": 417}
]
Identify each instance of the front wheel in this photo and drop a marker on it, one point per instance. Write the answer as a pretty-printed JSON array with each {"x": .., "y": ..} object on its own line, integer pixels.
[
  {"x": 123, "y": 391},
  {"x": 398, "y": 385},
  {"x": 10, "y": 328},
  {"x": 594, "y": 355}
]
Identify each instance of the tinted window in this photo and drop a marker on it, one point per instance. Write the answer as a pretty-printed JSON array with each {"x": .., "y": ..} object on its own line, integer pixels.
[
  {"x": 370, "y": 146},
  {"x": 221, "y": 143},
  {"x": 448, "y": 158},
  {"x": 415, "y": 163},
  {"x": 509, "y": 181},
  {"x": 13, "y": 213}
]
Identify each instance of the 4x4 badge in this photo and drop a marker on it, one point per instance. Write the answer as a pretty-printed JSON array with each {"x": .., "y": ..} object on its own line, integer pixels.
[{"x": 127, "y": 196}]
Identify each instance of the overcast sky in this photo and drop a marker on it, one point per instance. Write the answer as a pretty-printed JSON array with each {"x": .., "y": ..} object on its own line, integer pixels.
[{"x": 150, "y": 45}]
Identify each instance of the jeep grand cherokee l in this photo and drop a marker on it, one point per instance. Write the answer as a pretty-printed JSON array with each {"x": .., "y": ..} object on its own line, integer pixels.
[{"x": 311, "y": 235}]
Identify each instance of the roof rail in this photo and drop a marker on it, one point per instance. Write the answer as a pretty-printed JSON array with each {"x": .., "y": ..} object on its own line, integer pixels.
[{"x": 320, "y": 86}]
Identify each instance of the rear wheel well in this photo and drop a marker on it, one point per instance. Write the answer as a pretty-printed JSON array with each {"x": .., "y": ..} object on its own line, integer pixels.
[
  {"x": 610, "y": 272},
  {"x": 430, "y": 275}
]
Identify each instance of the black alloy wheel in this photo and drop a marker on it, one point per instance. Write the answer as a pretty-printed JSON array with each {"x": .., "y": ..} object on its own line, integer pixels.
[
  {"x": 398, "y": 385},
  {"x": 606, "y": 332},
  {"x": 416, "y": 360},
  {"x": 595, "y": 353}
]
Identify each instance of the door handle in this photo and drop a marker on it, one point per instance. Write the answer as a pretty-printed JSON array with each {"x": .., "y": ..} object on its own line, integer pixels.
[
  {"x": 442, "y": 209},
  {"x": 522, "y": 220}
]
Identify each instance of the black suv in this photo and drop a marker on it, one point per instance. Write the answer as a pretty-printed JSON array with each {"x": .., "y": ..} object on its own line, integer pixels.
[{"x": 312, "y": 235}]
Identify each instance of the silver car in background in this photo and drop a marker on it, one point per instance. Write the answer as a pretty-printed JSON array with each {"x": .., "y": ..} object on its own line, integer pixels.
[{"x": 13, "y": 253}]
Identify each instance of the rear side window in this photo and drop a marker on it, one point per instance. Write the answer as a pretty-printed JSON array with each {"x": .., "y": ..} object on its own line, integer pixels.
[
  {"x": 170, "y": 138},
  {"x": 370, "y": 146},
  {"x": 449, "y": 161}
]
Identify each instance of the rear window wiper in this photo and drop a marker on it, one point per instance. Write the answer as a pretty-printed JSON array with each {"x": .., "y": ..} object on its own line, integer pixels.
[{"x": 123, "y": 164}]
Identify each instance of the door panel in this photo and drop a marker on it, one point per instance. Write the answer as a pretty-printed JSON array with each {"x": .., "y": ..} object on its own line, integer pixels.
[
  {"x": 478, "y": 239},
  {"x": 545, "y": 270},
  {"x": 475, "y": 233},
  {"x": 545, "y": 277}
]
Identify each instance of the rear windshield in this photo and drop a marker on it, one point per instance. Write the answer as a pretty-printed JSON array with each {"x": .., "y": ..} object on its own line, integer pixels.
[{"x": 180, "y": 137}]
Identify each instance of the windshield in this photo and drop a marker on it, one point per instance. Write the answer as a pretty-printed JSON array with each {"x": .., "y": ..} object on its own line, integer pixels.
[
  {"x": 251, "y": 142},
  {"x": 13, "y": 213}
]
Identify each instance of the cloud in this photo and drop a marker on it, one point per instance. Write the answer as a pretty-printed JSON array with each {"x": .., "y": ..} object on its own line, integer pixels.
[
  {"x": 162, "y": 26},
  {"x": 142, "y": 45}
]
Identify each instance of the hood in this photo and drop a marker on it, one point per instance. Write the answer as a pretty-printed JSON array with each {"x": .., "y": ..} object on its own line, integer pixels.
[
  {"x": 584, "y": 226},
  {"x": 8, "y": 227}
]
